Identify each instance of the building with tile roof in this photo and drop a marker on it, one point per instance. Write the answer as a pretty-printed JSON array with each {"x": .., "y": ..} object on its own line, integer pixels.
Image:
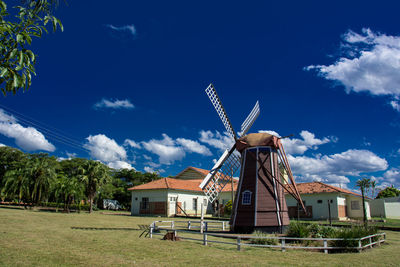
[
  {"x": 182, "y": 195},
  {"x": 178, "y": 195}
]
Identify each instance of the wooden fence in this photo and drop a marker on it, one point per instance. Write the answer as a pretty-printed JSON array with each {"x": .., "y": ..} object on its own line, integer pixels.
[
  {"x": 193, "y": 225},
  {"x": 282, "y": 241}
]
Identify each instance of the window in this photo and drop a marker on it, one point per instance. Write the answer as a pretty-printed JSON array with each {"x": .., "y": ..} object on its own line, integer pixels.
[
  {"x": 173, "y": 199},
  {"x": 319, "y": 201},
  {"x": 135, "y": 198},
  {"x": 194, "y": 204},
  {"x": 246, "y": 197},
  {"x": 355, "y": 205},
  {"x": 145, "y": 203}
]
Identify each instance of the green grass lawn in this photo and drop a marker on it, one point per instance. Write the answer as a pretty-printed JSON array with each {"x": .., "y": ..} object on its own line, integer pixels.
[{"x": 37, "y": 238}]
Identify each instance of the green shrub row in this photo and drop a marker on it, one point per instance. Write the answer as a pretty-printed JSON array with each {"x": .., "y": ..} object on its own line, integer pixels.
[{"x": 314, "y": 230}]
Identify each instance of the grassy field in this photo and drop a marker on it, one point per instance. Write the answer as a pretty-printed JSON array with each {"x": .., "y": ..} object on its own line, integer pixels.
[{"x": 37, "y": 238}]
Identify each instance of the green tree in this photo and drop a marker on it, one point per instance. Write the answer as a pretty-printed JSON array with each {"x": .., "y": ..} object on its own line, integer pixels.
[
  {"x": 364, "y": 184},
  {"x": 16, "y": 61},
  {"x": 41, "y": 171},
  {"x": 10, "y": 159},
  {"x": 389, "y": 192},
  {"x": 17, "y": 186},
  {"x": 68, "y": 187},
  {"x": 94, "y": 174}
]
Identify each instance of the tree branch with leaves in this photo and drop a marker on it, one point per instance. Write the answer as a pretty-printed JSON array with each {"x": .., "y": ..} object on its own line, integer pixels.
[{"x": 17, "y": 62}]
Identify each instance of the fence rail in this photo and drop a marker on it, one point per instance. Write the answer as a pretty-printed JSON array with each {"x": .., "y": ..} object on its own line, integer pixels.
[
  {"x": 282, "y": 244},
  {"x": 193, "y": 224}
]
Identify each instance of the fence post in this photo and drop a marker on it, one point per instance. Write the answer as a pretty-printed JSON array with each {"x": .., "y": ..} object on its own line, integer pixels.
[
  {"x": 359, "y": 245},
  {"x": 370, "y": 242},
  {"x": 283, "y": 245},
  {"x": 325, "y": 246},
  {"x": 238, "y": 243},
  {"x": 223, "y": 225},
  {"x": 172, "y": 225},
  {"x": 206, "y": 226},
  {"x": 188, "y": 225},
  {"x": 151, "y": 231},
  {"x": 204, "y": 239}
]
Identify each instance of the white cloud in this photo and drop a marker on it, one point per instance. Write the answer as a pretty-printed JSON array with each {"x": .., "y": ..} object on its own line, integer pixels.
[
  {"x": 28, "y": 138},
  {"x": 105, "y": 149},
  {"x": 372, "y": 64},
  {"x": 193, "y": 146},
  {"x": 71, "y": 155},
  {"x": 335, "y": 168},
  {"x": 131, "y": 143},
  {"x": 392, "y": 176},
  {"x": 170, "y": 150},
  {"x": 165, "y": 148},
  {"x": 114, "y": 104},
  {"x": 395, "y": 105},
  {"x": 299, "y": 146},
  {"x": 2, "y": 145},
  {"x": 125, "y": 28},
  {"x": 152, "y": 170},
  {"x": 217, "y": 140},
  {"x": 119, "y": 164}
]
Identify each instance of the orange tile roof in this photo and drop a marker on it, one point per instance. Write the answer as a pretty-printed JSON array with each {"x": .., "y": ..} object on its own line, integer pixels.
[
  {"x": 318, "y": 187},
  {"x": 177, "y": 184}
]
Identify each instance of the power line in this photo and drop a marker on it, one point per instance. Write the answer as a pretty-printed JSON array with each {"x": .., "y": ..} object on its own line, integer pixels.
[{"x": 54, "y": 134}]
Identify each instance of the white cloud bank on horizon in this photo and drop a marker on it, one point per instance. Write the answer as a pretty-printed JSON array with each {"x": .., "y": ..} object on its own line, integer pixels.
[
  {"x": 335, "y": 168},
  {"x": 114, "y": 104},
  {"x": 372, "y": 64},
  {"x": 107, "y": 151},
  {"x": 27, "y": 138}
]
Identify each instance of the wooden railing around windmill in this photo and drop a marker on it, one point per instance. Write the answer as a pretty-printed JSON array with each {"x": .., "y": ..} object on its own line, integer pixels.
[{"x": 283, "y": 243}]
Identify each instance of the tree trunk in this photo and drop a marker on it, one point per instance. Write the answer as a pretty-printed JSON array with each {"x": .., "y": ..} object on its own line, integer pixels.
[
  {"x": 364, "y": 210},
  {"x": 90, "y": 204}
]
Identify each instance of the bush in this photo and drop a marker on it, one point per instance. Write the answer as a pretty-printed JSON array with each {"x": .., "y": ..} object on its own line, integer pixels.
[
  {"x": 228, "y": 208},
  {"x": 298, "y": 230},
  {"x": 265, "y": 240},
  {"x": 354, "y": 232}
]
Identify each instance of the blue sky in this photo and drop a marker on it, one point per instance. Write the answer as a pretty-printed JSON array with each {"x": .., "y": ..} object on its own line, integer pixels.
[{"x": 124, "y": 84}]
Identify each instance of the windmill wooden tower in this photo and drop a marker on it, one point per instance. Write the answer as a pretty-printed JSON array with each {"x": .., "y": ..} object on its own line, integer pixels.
[{"x": 264, "y": 172}]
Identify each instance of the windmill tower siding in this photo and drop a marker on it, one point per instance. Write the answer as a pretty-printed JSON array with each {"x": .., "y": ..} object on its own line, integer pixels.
[{"x": 267, "y": 209}]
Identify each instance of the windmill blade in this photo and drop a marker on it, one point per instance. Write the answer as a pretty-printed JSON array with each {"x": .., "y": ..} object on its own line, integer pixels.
[
  {"x": 212, "y": 94},
  {"x": 248, "y": 122},
  {"x": 221, "y": 174}
]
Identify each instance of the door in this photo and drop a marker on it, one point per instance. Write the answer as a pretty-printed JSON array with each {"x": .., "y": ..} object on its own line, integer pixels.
[{"x": 172, "y": 206}]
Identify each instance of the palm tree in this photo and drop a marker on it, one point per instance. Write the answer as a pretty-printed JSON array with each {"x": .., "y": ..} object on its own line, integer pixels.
[
  {"x": 17, "y": 186},
  {"x": 94, "y": 174},
  {"x": 373, "y": 186},
  {"x": 68, "y": 190},
  {"x": 40, "y": 169},
  {"x": 364, "y": 184}
]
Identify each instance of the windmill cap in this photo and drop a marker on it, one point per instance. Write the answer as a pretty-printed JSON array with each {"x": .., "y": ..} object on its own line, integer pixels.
[{"x": 257, "y": 139}]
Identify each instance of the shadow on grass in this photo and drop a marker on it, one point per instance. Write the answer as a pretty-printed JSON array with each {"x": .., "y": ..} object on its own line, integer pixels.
[{"x": 105, "y": 228}]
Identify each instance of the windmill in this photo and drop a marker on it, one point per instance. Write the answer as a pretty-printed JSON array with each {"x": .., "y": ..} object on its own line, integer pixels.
[{"x": 264, "y": 173}]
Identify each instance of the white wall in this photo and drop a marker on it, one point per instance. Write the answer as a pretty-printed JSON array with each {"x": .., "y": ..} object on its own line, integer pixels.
[
  {"x": 320, "y": 210},
  {"x": 378, "y": 208},
  {"x": 186, "y": 198},
  {"x": 392, "y": 210},
  {"x": 357, "y": 213},
  {"x": 153, "y": 195}
]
